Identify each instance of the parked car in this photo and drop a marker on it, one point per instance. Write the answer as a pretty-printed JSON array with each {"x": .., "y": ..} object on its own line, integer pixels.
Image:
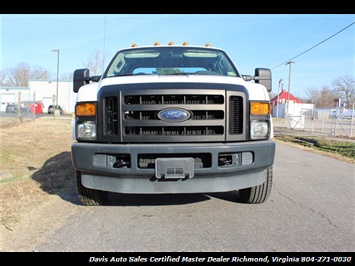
[
  {"x": 51, "y": 109},
  {"x": 11, "y": 108}
]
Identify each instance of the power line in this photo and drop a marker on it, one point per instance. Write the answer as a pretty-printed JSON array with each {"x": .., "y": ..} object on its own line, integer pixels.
[
  {"x": 277, "y": 59},
  {"x": 315, "y": 45},
  {"x": 263, "y": 47}
]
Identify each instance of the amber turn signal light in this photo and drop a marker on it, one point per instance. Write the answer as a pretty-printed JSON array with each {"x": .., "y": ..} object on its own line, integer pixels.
[
  {"x": 85, "y": 109},
  {"x": 260, "y": 108}
]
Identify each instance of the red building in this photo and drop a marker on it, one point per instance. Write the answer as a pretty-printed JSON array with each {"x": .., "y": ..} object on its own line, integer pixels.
[{"x": 283, "y": 98}]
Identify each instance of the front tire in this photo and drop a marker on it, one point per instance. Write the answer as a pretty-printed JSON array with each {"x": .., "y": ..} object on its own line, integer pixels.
[
  {"x": 87, "y": 196},
  {"x": 258, "y": 194}
]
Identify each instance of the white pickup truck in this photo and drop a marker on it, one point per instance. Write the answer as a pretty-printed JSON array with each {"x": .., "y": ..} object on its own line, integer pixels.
[{"x": 166, "y": 119}]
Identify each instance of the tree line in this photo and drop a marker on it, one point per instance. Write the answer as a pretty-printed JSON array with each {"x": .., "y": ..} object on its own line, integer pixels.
[
  {"x": 342, "y": 87},
  {"x": 19, "y": 75}
]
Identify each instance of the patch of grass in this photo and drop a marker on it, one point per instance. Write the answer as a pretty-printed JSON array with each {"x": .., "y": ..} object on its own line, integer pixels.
[
  {"x": 342, "y": 148},
  {"x": 35, "y": 162}
]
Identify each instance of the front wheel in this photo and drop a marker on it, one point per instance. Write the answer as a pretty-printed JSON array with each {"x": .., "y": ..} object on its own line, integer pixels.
[
  {"x": 258, "y": 194},
  {"x": 87, "y": 196}
]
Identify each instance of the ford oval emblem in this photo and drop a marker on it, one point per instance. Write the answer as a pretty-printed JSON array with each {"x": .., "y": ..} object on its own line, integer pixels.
[{"x": 174, "y": 115}]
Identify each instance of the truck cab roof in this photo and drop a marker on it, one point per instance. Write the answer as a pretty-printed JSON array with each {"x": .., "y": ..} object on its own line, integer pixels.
[{"x": 171, "y": 60}]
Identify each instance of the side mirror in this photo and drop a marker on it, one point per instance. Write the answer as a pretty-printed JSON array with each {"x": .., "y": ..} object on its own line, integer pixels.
[
  {"x": 263, "y": 77},
  {"x": 81, "y": 77}
]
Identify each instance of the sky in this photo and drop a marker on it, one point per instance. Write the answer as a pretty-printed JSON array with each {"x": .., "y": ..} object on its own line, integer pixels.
[{"x": 321, "y": 46}]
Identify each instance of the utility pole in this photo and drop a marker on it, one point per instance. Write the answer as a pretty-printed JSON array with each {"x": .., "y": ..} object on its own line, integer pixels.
[
  {"x": 289, "y": 82},
  {"x": 278, "y": 100},
  {"x": 19, "y": 107},
  {"x": 56, "y": 96}
]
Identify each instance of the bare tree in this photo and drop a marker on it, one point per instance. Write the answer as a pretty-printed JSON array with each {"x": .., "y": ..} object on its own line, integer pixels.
[
  {"x": 96, "y": 62},
  {"x": 38, "y": 73},
  {"x": 3, "y": 74},
  {"x": 67, "y": 76},
  {"x": 18, "y": 76},
  {"x": 344, "y": 86},
  {"x": 327, "y": 97},
  {"x": 314, "y": 96}
]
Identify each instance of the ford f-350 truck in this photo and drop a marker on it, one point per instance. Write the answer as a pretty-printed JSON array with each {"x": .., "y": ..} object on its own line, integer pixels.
[{"x": 166, "y": 119}]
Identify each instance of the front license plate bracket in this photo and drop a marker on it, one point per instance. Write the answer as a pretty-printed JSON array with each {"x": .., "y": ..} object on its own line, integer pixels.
[{"x": 174, "y": 168}]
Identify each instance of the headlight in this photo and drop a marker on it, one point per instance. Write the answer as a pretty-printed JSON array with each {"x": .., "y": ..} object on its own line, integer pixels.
[
  {"x": 259, "y": 129},
  {"x": 86, "y": 130}
]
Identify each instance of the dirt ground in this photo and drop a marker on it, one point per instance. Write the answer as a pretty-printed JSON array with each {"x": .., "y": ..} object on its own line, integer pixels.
[{"x": 35, "y": 168}]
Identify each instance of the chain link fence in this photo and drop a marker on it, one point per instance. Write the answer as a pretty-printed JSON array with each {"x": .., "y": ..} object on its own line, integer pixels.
[
  {"x": 333, "y": 123},
  {"x": 21, "y": 110},
  {"x": 25, "y": 109}
]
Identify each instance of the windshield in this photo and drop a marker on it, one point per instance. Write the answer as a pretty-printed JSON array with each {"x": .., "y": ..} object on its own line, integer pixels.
[{"x": 171, "y": 61}]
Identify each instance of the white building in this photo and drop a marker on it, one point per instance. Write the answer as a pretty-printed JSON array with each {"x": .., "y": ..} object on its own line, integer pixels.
[
  {"x": 12, "y": 95},
  {"x": 40, "y": 91},
  {"x": 45, "y": 91},
  {"x": 294, "y": 109}
]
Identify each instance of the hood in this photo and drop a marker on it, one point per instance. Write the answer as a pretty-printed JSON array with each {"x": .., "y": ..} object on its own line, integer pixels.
[{"x": 89, "y": 92}]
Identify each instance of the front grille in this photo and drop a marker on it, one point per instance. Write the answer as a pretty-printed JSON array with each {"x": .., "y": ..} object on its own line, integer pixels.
[
  {"x": 134, "y": 115},
  {"x": 141, "y": 121}
]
